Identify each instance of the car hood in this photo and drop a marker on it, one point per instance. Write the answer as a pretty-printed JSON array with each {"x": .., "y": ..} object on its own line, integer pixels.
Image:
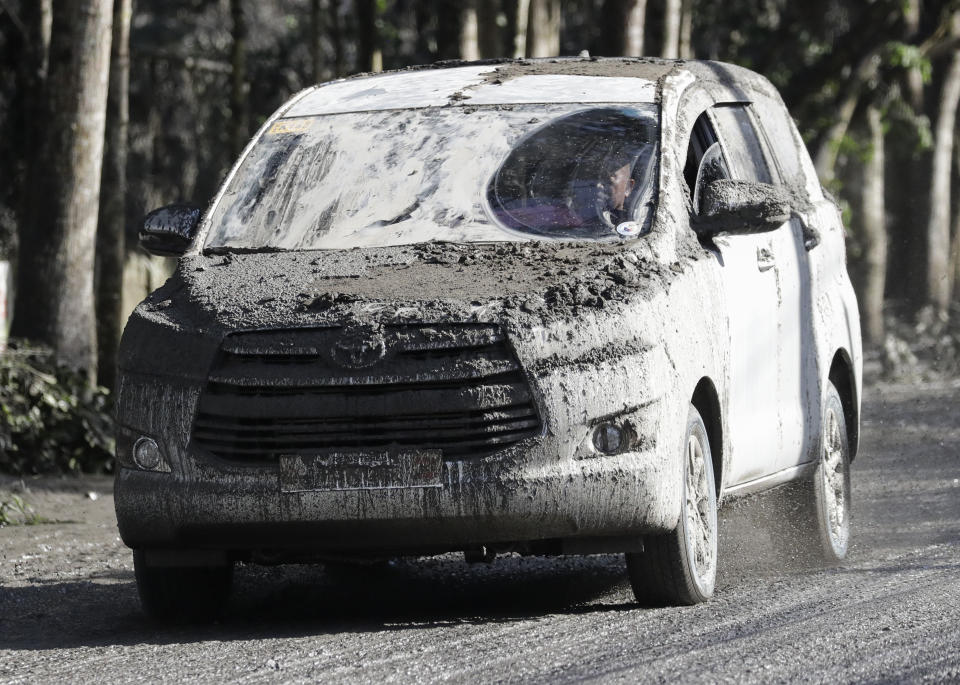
[{"x": 524, "y": 287}]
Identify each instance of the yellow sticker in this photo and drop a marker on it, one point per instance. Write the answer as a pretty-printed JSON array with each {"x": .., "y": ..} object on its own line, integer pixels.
[{"x": 291, "y": 125}]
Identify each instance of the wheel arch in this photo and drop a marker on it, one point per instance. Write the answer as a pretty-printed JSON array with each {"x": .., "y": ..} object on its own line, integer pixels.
[
  {"x": 707, "y": 402},
  {"x": 843, "y": 379}
]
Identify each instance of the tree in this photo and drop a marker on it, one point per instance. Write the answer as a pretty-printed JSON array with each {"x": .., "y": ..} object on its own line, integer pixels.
[
  {"x": 55, "y": 284},
  {"x": 874, "y": 231},
  {"x": 31, "y": 73},
  {"x": 369, "y": 56},
  {"x": 239, "y": 88},
  {"x": 316, "y": 42},
  {"x": 938, "y": 225},
  {"x": 449, "y": 26},
  {"x": 673, "y": 15},
  {"x": 111, "y": 243},
  {"x": 469, "y": 31},
  {"x": 336, "y": 38},
  {"x": 518, "y": 14},
  {"x": 955, "y": 245},
  {"x": 685, "y": 43},
  {"x": 488, "y": 32},
  {"x": 624, "y": 22},
  {"x": 543, "y": 28}
]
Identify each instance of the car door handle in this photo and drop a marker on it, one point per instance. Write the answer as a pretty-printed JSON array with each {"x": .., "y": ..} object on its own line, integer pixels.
[{"x": 765, "y": 260}]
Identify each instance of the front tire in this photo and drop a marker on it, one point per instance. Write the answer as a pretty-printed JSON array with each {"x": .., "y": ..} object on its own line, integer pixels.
[
  {"x": 194, "y": 594},
  {"x": 681, "y": 567}
]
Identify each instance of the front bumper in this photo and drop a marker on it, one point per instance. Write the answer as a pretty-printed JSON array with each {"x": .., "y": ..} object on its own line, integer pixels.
[
  {"x": 543, "y": 487},
  {"x": 485, "y": 502}
]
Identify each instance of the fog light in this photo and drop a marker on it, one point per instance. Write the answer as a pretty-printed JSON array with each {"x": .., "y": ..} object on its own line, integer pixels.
[
  {"x": 608, "y": 438},
  {"x": 146, "y": 453}
]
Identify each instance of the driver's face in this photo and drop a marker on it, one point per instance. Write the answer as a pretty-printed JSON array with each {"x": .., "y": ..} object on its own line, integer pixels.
[{"x": 619, "y": 186}]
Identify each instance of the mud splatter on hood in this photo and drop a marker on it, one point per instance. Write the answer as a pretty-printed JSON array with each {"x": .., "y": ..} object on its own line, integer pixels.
[
  {"x": 435, "y": 281},
  {"x": 521, "y": 286}
]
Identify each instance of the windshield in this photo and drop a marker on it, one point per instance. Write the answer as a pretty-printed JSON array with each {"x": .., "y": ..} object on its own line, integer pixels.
[{"x": 457, "y": 174}]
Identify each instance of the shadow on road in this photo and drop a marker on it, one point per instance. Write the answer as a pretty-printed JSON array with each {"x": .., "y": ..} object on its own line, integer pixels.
[
  {"x": 302, "y": 600},
  {"x": 310, "y": 600}
]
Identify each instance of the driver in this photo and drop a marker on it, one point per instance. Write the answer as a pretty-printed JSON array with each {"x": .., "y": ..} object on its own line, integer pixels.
[{"x": 613, "y": 190}]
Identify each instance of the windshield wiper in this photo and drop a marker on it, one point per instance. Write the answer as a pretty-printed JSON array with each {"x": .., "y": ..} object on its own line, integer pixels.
[{"x": 229, "y": 249}]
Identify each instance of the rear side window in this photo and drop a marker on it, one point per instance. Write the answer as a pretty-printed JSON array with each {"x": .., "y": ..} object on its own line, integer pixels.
[
  {"x": 787, "y": 146},
  {"x": 741, "y": 144}
]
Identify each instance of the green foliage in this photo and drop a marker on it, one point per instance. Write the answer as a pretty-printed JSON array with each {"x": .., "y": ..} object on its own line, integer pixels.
[
  {"x": 853, "y": 147},
  {"x": 51, "y": 419},
  {"x": 907, "y": 56},
  {"x": 17, "y": 512}
]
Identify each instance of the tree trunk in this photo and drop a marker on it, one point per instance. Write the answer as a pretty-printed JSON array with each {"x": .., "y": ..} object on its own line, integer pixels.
[
  {"x": 55, "y": 294},
  {"x": 636, "y": 24},
  {"x": 518, "y": 12},
  {"x": 825, "y": 157},
  {"x": 336, "y": 38},
  {"x": 671, "y": 28},
  {"x": 938, "y": 226},
  {"x": 111, "y": 245},
  {"x": 469, "y": 39},
  {"x": 449, "y": 26},
  {"x": 369, "y": 55},
  {"x": 908, "y": 206},
  {"x": 239, "y": 88},
  {"x": 422, "y": 18},
  {"x": 543, "y": 28},
  {"x": 488, "y": 33},
  {"x": 914, "y": 78},
  {"x": 316, "y": 44},
  {"x": 955, "y": 244},
  {"x": 685, "y": 44},
  {"x": 623, "y": 25},
  {"x": 874, "y": 233},
  {"x": 28, "y": 98}
]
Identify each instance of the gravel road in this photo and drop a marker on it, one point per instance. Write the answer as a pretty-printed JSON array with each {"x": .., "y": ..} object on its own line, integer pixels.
[{"x": 69, "y": 608}]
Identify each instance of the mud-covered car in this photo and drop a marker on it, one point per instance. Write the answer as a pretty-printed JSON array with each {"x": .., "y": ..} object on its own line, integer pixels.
[{"x": 547, "y": 307}]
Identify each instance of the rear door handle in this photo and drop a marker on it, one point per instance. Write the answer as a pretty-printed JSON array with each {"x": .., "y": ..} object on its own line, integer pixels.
[{"x": 765, "y": 260}]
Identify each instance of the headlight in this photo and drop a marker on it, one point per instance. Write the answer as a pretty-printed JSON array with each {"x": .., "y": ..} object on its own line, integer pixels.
[
  {"x": 146, "y": 454},
  {"x": 608, "y": 438}
]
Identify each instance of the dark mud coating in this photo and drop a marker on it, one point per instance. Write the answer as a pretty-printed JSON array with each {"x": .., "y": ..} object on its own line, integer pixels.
[
  {"x": 738, "y": 206},
  {"x": 437, "y": 397}
]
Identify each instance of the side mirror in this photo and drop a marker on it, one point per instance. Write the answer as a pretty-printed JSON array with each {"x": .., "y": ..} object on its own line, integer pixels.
[
  {"x": 168, "y": 231},
  {"x": 741, "y": 208}
]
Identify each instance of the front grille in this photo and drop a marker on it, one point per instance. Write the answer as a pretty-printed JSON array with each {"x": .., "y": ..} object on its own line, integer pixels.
[{"x": 457, "y": 388}]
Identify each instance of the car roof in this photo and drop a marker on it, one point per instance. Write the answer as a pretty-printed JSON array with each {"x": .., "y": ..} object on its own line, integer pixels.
[{"x": 502, "y": 82}]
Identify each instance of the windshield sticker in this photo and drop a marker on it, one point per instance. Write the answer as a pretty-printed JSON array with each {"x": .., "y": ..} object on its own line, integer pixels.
[{"x": 291, "y": 126}]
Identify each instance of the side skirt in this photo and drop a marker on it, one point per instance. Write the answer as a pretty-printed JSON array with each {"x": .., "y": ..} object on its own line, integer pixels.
[{"x": 766, "y": 482}]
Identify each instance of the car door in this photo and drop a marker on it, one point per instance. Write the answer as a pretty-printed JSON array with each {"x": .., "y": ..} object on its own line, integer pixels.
[
  {"x": 798, "y": 252},
  {"x": 750, "y": 286},
  {"x": 781, "y": 260}
]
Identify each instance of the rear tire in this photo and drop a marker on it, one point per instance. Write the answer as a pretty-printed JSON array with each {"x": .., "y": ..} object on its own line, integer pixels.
[
  {"x": 195, "y": 594},
  {"x": 812, "y": 516},
  {"x": 828, "y": 515},
  {"x": 681, "y": 567}
]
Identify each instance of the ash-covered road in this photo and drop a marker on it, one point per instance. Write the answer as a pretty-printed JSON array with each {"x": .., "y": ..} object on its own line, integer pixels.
[{"x": 69, "y": 611}]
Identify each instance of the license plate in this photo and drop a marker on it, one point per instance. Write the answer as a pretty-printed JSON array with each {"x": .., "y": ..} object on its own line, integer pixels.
[{"x": 369, "y": 469}]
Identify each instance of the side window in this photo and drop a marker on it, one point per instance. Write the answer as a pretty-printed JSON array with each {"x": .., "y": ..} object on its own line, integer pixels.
[
  {"x": 787, "y": 146},
  {"x": 705, "y": 161},
  {"x": 741, "y": 144}
]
